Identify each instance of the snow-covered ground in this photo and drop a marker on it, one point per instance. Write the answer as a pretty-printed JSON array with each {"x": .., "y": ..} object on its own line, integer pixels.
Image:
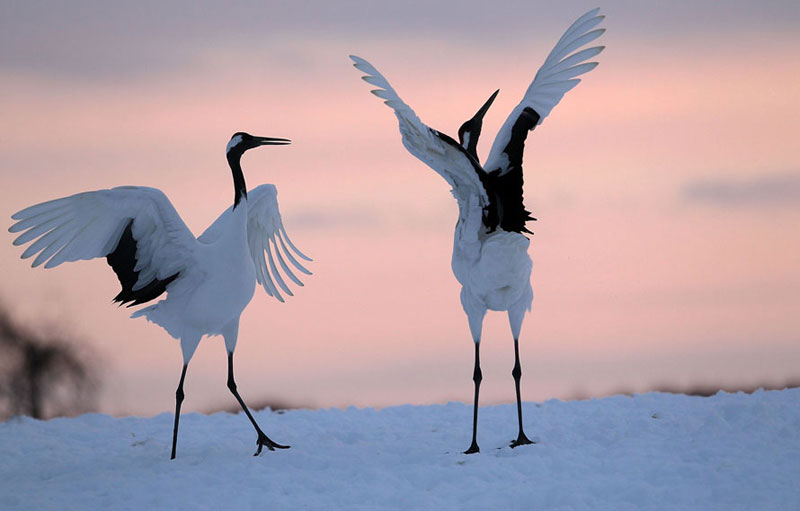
[{"x": 652, "y": 451}]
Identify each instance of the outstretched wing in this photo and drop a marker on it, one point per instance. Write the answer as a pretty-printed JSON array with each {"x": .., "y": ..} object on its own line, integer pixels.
[
  {"x": 136, "y": 229},
  {"x": 266, "y": 234},
  {"x": 554, "y": 79},
  {"x": 439, "y": 151}
]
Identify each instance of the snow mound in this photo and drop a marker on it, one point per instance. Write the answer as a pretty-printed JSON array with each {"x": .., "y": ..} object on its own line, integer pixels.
[{"x": 651, "y": 451}]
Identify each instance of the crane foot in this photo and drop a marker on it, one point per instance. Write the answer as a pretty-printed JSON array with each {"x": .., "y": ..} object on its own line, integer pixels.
[
  {"x": 473, "y": 448},
  {"x": 521, "y": 440},
  {"x": 265, "y": 441}
]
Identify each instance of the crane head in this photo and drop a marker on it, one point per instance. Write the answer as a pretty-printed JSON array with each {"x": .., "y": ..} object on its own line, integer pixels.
[
  {"x": 241, "y": 142},
  {"x": 469, "y": 132}
]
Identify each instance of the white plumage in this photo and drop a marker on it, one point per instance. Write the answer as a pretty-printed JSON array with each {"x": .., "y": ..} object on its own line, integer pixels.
[
  {"x": 557, "y": 76},
  {"x": 208, "y": 280},
  {"x": 89, "y": 225},
  {"x": 490, "y": 251}
]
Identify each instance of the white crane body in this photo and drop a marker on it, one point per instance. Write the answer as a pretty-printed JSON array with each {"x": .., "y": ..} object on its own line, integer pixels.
[
  {"x": 206, "y": 282},
  {"x": 490, "y": 249}
]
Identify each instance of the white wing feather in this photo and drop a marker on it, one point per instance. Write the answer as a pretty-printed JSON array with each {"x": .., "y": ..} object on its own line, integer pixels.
[
  {"x": 446, "y": 159},
  {"x": 557, "y": 76},
  {"x": 266, "y": 234},
  {"x": 89, "y": 225}
]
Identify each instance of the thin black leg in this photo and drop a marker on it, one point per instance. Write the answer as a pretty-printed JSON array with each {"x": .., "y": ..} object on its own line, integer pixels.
[
  {"x": 517, "y": 374},
  {"x": 476, "y": 377},
  {"x": 178, "y": 400},
  {"x": 263, "y": 440}
]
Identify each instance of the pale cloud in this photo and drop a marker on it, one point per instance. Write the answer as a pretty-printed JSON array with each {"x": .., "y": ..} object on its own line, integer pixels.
[
  {"x": 351, "y": 219},
  {"x": 780, "y": 189},
  {"x": 95, "y": 39}
]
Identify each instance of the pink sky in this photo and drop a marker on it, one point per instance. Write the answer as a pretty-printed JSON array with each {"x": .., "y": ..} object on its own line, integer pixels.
[{"x": 667, "y": 187}]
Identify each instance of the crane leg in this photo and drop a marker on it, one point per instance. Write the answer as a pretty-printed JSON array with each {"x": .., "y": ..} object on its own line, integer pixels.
[
  {"x": 263, "y": 440},
  {"x": 517, "y": 374},
  {"x": 477, "y": 376},
  {"x": 178, "y": 400}
]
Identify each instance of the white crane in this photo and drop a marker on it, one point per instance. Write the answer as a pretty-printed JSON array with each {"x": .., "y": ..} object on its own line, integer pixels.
[
  {"x": 208, "y": 280},
  {"x": 490, "y": 250}
]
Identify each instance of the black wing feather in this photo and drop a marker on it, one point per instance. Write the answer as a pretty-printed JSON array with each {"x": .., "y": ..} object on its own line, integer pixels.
[
  {"x": 504, "y": 186},
  {"x": 123, "y": 261}
]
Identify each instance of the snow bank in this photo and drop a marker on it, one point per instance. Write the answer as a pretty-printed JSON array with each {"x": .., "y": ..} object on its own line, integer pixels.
[{"x": 652, "y": 451}]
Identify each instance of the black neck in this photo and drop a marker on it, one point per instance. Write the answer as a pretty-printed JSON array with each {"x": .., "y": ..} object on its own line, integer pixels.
[
  {"x": 472, "y": 147},
  {"x": 472, "y": 130},
  {"x": 239, "y": 187}
]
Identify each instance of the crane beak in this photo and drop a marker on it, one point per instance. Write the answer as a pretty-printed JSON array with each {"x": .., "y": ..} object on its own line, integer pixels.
[
  {"x": 485, "y": 108},
  {"x": 271, "y": 141}
]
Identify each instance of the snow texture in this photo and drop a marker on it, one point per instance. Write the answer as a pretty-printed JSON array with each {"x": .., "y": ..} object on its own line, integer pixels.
[{"x": 652, "y": 451}]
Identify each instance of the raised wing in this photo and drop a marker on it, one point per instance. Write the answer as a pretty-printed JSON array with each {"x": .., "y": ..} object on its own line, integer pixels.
[
  {"x": 136, "y": 229},
  {"x": 439, "y": 151},
  {"x": 555, "y": 78},
  {"x": 266, "y": 234}
]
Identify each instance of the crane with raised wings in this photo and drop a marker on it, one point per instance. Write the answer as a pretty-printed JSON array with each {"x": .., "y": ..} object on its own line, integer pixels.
[
  {"x": 490, "y": 249},
  {"x": 208, "y": 280}
]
